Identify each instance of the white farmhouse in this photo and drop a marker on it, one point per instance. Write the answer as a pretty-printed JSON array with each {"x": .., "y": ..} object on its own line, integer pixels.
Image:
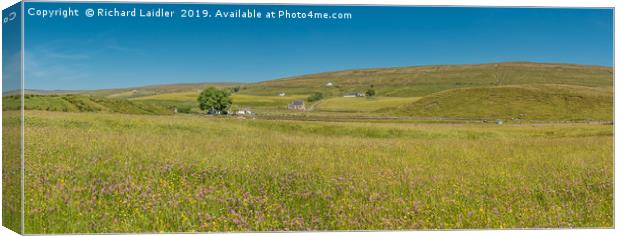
[
  {"x": 352, "y": 95},
  {"x": 244, "y": 111}
]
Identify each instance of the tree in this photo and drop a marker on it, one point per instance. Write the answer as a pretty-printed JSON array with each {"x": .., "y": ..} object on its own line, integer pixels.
[
  {"x": 315, "y": 97},
  {"x": 212, "y": 99},
  {"x": 370, "y": 92}
]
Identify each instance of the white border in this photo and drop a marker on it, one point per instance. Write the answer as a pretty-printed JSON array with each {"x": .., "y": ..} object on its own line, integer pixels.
[{"x": 506, "y": 3}]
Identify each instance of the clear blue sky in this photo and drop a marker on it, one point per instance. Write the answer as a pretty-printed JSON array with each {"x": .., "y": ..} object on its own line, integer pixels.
[
  {"x": 95, "y": 53},
  {"x": 11, "y": 50}
]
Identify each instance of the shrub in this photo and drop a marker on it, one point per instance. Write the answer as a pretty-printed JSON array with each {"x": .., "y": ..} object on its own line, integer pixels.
[
  {"x": 370, "y": 92},
  {"x": 315, "y": 97}
]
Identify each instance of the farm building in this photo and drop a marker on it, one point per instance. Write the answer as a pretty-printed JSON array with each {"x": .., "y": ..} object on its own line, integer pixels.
[
  {"x": 282, "y": 94},
  {"x": 352, "y": 95},
  {"x": 244, "y": 112},
  {"x": 297, "y": 105},
  {"x": 215, "y": 112},
  {"x": 330, "y": 84}
]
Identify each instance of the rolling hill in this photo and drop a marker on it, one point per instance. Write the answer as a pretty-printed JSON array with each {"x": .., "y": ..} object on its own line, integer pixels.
[
  {"x": 134, "y": 92},
  {"x": 81, "y": 103},
  {"x": 510, "y": 90},
  {"x": 524, "y": 102},
  {"x": 157, "y": 89},
  {"x": 424, "y": 80}
]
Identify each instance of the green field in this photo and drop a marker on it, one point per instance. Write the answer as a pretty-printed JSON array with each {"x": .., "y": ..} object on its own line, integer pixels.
[
  {"x": 527, "y": 102},
  {"x": 255, "y": 102},
  {"x": 363, "y": 104},
  {"x": 265, "y": 101},
  {"x": 94, "y": 173},
  {"x": 82, "y": 103},
  {"x": 11, "y": 170},
  {"x": 424, "y": 153}
]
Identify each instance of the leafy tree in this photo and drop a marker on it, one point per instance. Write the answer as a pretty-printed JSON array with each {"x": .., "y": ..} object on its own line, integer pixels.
[
  {"x": 212, "y": 99},
  {"x": 235, "y": 89},
  {"x": 370, "y": 92},
  {"x": 315, "y": 97}
]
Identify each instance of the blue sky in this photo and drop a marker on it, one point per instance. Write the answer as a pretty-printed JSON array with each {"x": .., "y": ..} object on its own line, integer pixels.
[
  {"x": 99, "y": 52},
  {"x": 11, "y": 50}
]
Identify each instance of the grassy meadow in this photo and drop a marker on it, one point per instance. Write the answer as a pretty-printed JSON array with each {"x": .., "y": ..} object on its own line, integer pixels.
[
  {"x": 11, "y": 170},
  {"x": 550, "y": 102},
  {"x": 144, "y": 173},
  {"x": 424, "y": 153}
]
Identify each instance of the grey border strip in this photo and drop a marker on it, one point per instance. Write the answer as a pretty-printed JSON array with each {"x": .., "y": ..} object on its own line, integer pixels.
[{"x": 23, "y": 169}]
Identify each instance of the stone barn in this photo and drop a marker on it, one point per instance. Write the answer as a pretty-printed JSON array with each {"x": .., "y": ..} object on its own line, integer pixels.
[{"x": 297, "y": 105}]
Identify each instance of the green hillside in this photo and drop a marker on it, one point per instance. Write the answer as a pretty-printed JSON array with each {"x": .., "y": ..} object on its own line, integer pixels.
[
  {"x": 153, "y": 90},
  {"x": 530, "y": 102},
  {"x": 423, "y": 80},
  {"x": 512, "y": 90},
  {"x": 81, "y": 103}
]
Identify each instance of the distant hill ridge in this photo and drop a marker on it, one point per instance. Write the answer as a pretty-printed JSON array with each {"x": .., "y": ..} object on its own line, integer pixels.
[
  {"x": 510, "y": 90},
  {"x": 132, "y": 92},
  {"x": 424, "y": 80},
  {"x": 81, "y": 103},
  {"x": 411, "y": 81}
]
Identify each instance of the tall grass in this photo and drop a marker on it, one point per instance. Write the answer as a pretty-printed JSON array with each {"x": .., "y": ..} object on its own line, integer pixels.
[
  {"x": 11, "y": 169},
  {"x": 94, "y": 173}
]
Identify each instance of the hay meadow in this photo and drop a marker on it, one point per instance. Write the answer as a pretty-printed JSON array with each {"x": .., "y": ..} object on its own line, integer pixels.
[
  {"x": 441, "y": 147},
  {"x": 95, "y": 173}
]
